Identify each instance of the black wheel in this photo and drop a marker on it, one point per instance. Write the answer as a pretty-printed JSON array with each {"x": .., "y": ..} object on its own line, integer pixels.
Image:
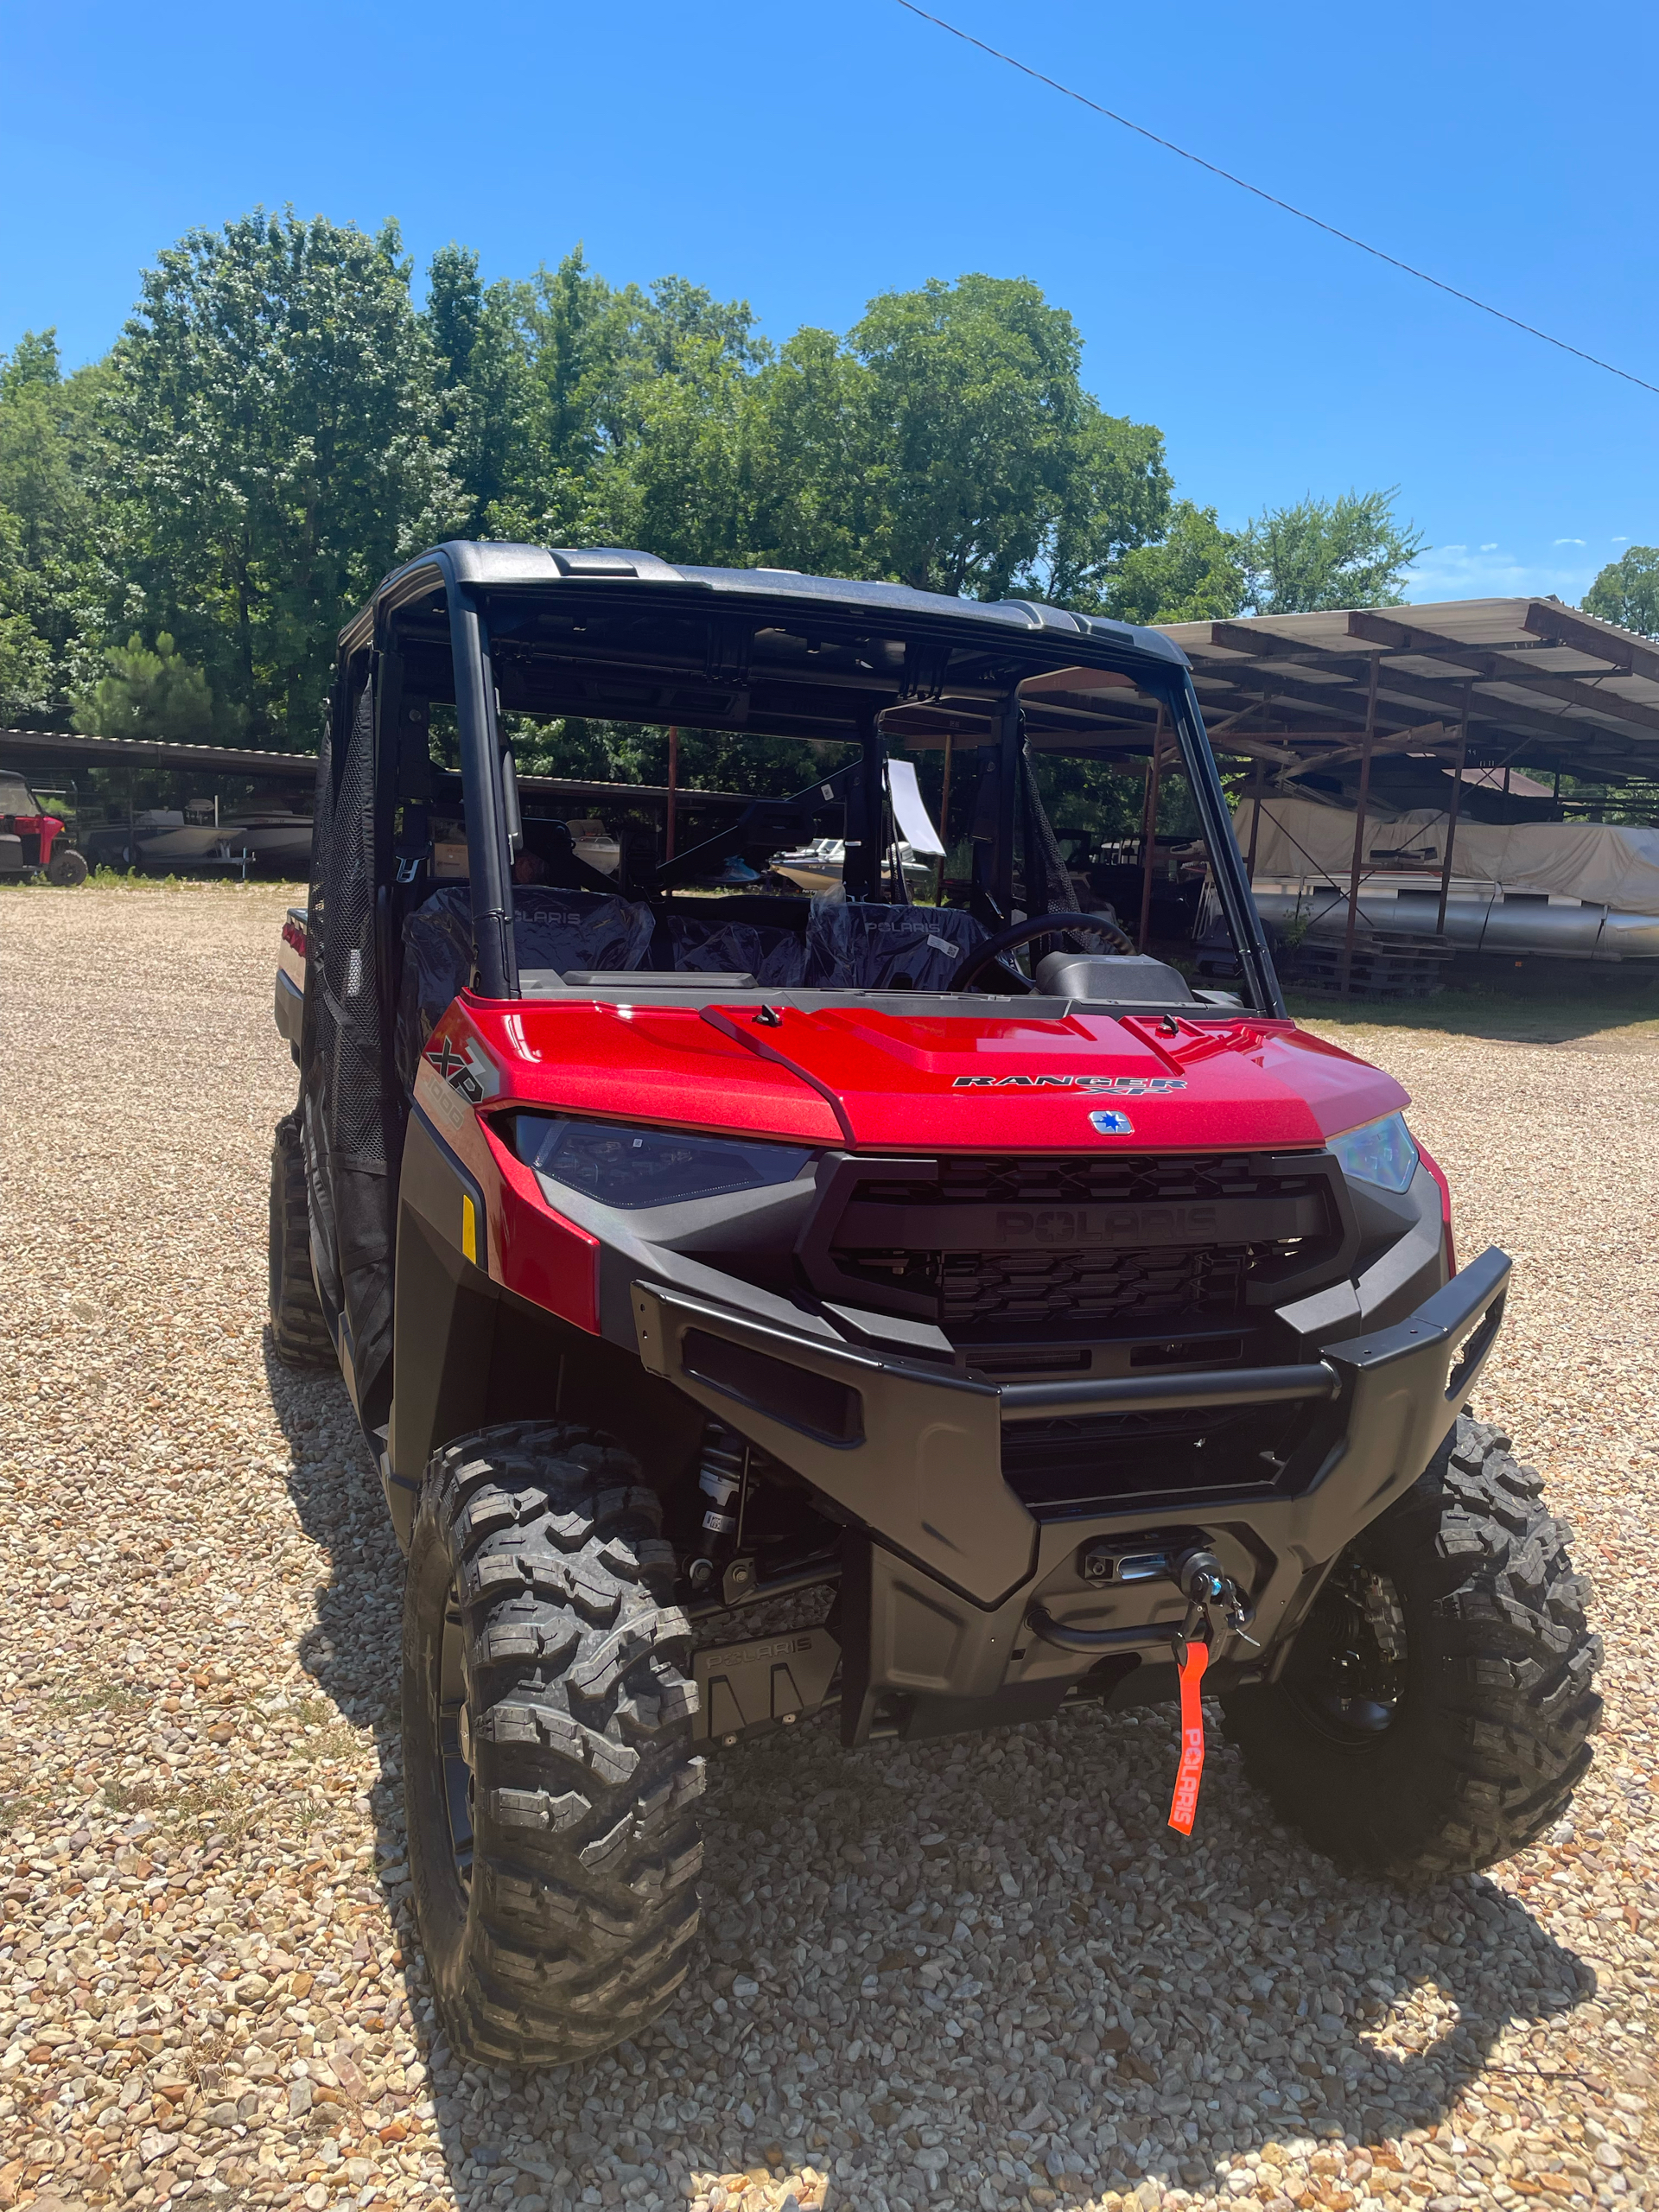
[
  {"x": 67, "y": 868},
  {"x": 548, "y": 1775},
  {"x": 1434, "y": 1714},
  {"x": 297, "y": 1327}
]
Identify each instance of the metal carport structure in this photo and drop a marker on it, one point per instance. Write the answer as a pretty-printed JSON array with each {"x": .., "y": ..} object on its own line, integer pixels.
[
  {"x": 1492, "y": 683},
  {"x": 1526, "y": 681}
]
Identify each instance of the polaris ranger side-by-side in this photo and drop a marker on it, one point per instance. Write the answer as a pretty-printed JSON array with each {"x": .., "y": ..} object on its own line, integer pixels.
[
  {"x": 765, "y": 1305},
  {"x": 33, "y": 842}
]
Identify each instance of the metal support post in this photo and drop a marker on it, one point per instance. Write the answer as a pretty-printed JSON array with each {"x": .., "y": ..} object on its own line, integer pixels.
[
  {"x": 1359, "y": 832},
  {"x": 862, "y": 868},
  {"x": 1010, "y": 739},
  {"x": 484, "y": 796},
  {"x": 1451, "y": 812},
  {"x": 1149, "y": 829},
  {"x": 673, "y": 786},
  {"x": 945, "y": 814},
  {"x": 1258, "y": 786}
]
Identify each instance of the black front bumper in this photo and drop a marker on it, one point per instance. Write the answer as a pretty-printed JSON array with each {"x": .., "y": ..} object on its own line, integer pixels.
[{"x": 946, "y": 1563}]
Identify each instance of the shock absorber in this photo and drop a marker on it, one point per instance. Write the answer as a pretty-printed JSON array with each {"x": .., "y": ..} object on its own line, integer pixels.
[{"x": 723, "y": 1479}]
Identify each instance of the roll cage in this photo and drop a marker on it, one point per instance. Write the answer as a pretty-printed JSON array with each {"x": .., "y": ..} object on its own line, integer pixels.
[{"x": 497, "y": 628}]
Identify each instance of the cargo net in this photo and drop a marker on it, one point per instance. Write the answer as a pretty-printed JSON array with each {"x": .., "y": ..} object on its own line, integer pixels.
[
  {"x": 349, "y": 1187},
  {"x": 349, "y": 1042}
]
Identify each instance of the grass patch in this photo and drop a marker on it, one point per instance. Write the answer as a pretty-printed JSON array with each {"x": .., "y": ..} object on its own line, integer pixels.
[
  {"x": 342, "y": 1741},
  {"x": 108, "y": 1697},
  {"x": 220, "y": 1805},
  {"x": 113, "y": 879},
  {"x": 132, "y": 1796},
  {"x": 1626, "y": 1013}
]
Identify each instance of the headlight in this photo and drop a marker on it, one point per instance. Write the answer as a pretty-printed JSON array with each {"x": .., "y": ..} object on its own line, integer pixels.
[
  {"x": 1380, "y": 1152},
  {"x": 650, "y": 1167}
]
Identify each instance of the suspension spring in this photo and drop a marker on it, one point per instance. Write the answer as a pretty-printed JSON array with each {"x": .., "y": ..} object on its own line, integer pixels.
[{"x": 723, "y": 1479}]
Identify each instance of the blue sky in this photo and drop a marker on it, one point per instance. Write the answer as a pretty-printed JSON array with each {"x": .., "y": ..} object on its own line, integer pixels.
[{"x": 808, "y": 157}]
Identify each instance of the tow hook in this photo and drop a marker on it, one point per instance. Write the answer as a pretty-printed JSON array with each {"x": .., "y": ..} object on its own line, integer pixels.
[
  {"x": 1209, "y": 1593},
  {"x": 1213, "y": 1600},
  {"x": 1215, "y": 1605}
]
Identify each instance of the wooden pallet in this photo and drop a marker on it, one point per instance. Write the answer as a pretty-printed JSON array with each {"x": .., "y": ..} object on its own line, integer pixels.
[{"x": 1409, "y": 966}]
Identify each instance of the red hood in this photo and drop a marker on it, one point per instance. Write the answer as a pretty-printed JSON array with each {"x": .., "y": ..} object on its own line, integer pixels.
[{"x": 885, "y": 1081}]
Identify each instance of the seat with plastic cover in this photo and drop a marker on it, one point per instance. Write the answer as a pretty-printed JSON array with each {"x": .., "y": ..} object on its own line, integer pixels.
[
  {"x": 842, "y": 945},
  {"x": 552, "y": 930}
]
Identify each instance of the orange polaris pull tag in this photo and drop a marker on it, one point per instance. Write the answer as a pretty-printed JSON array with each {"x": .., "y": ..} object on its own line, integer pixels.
[{"x": 1184, "y": 1805}]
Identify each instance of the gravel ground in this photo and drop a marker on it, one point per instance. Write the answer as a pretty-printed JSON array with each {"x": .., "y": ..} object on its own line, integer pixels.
[{"x": 963, "y": 1974}]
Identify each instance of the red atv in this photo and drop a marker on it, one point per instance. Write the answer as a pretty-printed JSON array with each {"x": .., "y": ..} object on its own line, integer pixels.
[
  {"x": 33, "y": 841},
  {"x": 765, "y": 1305}
]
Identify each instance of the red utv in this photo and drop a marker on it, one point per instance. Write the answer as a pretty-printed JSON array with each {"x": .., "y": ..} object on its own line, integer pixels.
[
  {"x": 1010, "y": 1320},
  {"x": 32, "y": 842}
]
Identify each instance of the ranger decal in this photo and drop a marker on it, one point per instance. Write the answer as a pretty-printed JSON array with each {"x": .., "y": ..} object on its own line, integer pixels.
[{"x": 1112, "y": 1086}]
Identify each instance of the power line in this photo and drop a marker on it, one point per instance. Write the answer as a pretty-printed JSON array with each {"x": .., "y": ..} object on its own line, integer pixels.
[{"x": 1273, "y": 200}]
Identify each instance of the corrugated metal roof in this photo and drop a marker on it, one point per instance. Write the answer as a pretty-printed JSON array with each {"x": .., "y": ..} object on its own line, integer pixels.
[
  {"x": 1543, "y": 685},
  {"x": 70, "y": 748}
]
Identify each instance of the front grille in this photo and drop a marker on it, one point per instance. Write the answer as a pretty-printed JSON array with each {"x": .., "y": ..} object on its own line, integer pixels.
[
  {"x": 1093, "y": 1243},
  {"x": 979, "y": 1287}
]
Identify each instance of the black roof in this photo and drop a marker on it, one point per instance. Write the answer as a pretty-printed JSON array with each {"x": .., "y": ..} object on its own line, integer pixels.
[
  {"x": 488, "y": 564},
  {"x": 608, "y": 631}
]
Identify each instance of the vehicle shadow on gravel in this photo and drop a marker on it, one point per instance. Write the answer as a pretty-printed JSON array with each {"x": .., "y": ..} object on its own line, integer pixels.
[
  {"x": 1351, "y": 2009},
  {"x": 1029, "y": 1959},
  {"x": 351, "y": 1650}
]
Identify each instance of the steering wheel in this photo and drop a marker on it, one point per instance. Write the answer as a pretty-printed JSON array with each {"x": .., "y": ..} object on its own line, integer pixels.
[{"x": 1034, "y": 925}]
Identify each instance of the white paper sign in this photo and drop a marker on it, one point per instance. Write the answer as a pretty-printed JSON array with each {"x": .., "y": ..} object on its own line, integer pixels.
[{"x": 910, "y": 814}]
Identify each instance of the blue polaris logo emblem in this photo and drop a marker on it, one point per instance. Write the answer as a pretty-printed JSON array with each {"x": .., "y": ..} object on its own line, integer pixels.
[{"x": 1108, "y": 1122}]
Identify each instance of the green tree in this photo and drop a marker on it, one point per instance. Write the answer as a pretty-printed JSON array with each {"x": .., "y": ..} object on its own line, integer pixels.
[
  {"x": 1114, "y": 497},
  {"x": 279, "y": 437},
  {"x": 600, "y": 362},
  {"x": 53, "y": 446},
  {"x": 482, "y": 373},
  {"x": 1627, "y": 592},
  {"x": 1349, "y": 551},
  {"x": 279, "y": 425},
  {"x": 946, "y": 441},
  {"x": 150, "y": 695},
  {"x": 637, "y": 752},
  {"x": 996, "y": 471},
  {"x": 683, "y": 485},
  {"x": 817, "y": 496},
  {"x": 25, "y": 658},
  {"x": 1194, "y": 573}
]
